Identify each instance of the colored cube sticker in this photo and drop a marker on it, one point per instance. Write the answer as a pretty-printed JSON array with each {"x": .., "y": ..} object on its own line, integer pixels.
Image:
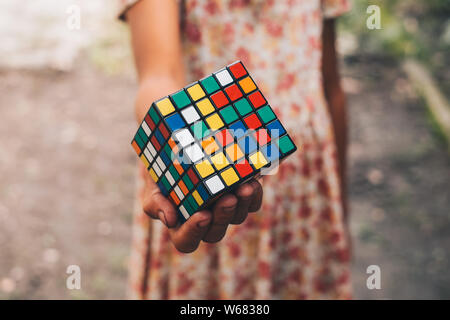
[{"x": 209, "y": 137}]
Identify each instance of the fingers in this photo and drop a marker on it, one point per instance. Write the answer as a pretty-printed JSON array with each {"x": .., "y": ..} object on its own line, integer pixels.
[
  {"x": 159, "y": 207},
  {"x": 257, "y": 196},
  {"x": 245, "y": 196},
  {"x": 187, "y": 237},
  {"x": 223, "y": 213},
  {"x": 203, "y": 225}
]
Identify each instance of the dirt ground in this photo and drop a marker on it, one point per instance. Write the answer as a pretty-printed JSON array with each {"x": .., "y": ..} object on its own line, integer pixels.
[
  {"x": 67, "y": 183},
  {"x": 399, "y": 185}
]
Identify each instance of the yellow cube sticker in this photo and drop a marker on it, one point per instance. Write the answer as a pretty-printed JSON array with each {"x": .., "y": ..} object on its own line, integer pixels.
[
  {"x": 205, "y": 106},
  {"x": 204, "y": 168},
  {"x": 234, "y": 152},
  {"x": 219, "y": 160},
  {"x": 229, "y": 176},
  {"x": 257, "y": 160},
  {"x": 196, "y": 92},
  {"x": 197, "y": 197},
  {"x": 153, "y": 175},
  {"x": 165, "y": 106},
  {"x": 214, "y": 122}
]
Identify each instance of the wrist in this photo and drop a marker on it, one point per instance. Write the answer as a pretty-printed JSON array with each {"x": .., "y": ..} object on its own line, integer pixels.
[{"x": 151, "y": 89}]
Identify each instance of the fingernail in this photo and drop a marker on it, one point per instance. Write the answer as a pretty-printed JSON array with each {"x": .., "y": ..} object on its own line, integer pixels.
[
  {"x": 229, "y": 209},
  {"x": 162, "y": 217},
  {"x": 203, "y": 223}
]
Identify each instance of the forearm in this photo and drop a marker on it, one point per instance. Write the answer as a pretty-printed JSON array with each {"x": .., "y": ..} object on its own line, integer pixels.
[
  {"x": 338, "y": 112},
  {"x": 156, "y": 46},
  {"x": 335, "y": 99}
]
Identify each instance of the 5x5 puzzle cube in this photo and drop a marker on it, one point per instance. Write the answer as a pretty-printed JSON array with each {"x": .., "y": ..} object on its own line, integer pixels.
[{"x": 210, "y": 137}]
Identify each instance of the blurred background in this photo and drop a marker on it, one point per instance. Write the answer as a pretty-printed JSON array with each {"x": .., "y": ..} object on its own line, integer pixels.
[{"x": 67, "y": 175}]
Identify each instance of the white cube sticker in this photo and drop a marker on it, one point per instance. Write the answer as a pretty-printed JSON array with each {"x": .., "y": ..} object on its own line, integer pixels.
[
  {"x": 157, "y": 169},
  {"x": 184, "y": 137},
  {"x": 190, "y": 114},
  {"x": 179, "y": 193},
  {"x": 152, "y": 150},
  {"x": 148, "y": 155},
  {"x": 170, "y": 178},
  {"x": 214, "y": 184},
  {"x": 161, "y": 164},
  {"x": 224, "y": 77},
  {"x": 184, "y": 212},
  {"x": 146, "y": 128},
  {"x": 194, "y": 152}
]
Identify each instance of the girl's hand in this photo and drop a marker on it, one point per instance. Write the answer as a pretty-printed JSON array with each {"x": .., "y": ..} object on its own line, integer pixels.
[{"x": 206, "y": 225}]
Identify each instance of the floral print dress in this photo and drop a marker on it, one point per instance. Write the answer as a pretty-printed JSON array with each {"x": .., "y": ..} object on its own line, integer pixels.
[{"x": 295, "y": 246}]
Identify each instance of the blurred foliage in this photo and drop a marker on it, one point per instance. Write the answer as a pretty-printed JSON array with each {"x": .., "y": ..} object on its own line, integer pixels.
[
  {"x": 409, "y": 28},
  {"x": 111, "y": 53}
]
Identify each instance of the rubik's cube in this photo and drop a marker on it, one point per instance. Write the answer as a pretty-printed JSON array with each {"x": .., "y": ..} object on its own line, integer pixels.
[{"x": 210, "y": 137}]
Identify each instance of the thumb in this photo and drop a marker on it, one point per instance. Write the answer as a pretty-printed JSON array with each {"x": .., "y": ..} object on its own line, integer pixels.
[
  {"x": 157, "y": 206},
  {"x": 188, "y": 236}
]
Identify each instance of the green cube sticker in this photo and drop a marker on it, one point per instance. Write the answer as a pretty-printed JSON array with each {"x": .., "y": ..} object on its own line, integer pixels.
[
  {"x": 139, "y": 141},
  {"x": 188, "y": 182},
  {"x": 154, "y": 114},
  {"x": 242, "y": 106},
  {"x": 228, "y": 114},
  {"x": 285, "y": 144},
  {"x": 165, "y": 183},
  {"x": 210, "y": 84},
  {"x": 174, "y": 173},
  {"x": 181, "y": 99},
  {"x": 266, "y": 114},
  {"x": 188, "y": 207},
  {"x": 200, "y": 129},
  {"x": 168, "y": 151},
  {"x": 142, "y": 135},
  {"x": 192, "y": 202}
]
